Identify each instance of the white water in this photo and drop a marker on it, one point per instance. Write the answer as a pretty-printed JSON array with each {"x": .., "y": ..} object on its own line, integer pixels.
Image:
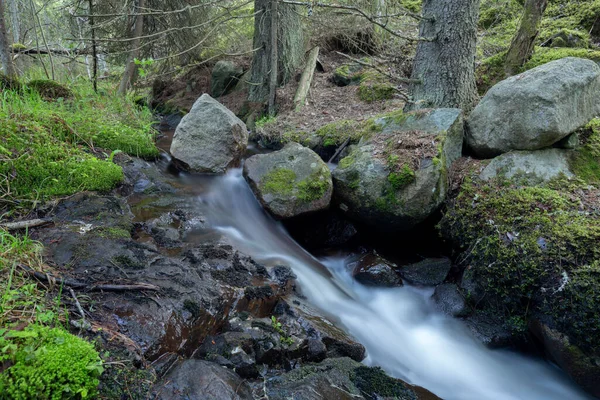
[{"x": 399, "y": 327}]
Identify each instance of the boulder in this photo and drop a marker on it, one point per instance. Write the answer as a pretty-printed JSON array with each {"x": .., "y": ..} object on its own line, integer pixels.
[
  {"x": 210, "y": 138},
  {"x": 535, "y": 109},
  {"x": 449, "y": 299},
  {"x": 531, "y": 167},
  {"x": 583, "y": 368},
  {"x": 372, "y": 270},
  {"x": 224, "y": 77},
  {"x": 398, "y": 177},
  {"x": 202, "y": 380},
  {"x": 290, "y": 182},
  {"x": 429, "y": 272}
]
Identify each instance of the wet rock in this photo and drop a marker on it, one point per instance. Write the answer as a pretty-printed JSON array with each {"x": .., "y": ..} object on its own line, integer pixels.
[
  {"x": 535, "y": 109},
  {"x": 339, "y": 378},
  {"x": 141, "y": 177},
  {"x": 383, "y": 182},
  {"x": 372, "y": 270},
  {"x": 429, "y": 272},
  {"x": 290, "y": 182},
  {"x": 210, "y": 138},
  {"x": 583, "y": 368},
  {"x": 489, "y": 329},
  {"x": 327, "y": 229},
  {"x": 224, "y": 77},
  {"x": 449, "y": 299},
  {"x": 202, "y": 380},
  {"x": 316, "y": 350},
  {"x": 532, "y": 167}
]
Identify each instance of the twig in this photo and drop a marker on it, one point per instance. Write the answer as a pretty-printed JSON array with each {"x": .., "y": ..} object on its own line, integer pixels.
[
  {"x": 13, "y": 226},
  {"x": 78, "y": 305},
  {"x": 89, "y": 287},
  {"x": 339, "y": 150}
]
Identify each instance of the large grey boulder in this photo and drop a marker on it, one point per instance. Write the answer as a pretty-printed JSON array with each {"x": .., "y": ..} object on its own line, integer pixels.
[
  {"x": 535, "y": 109},
  {"x": 290, "y": 182},
  {"x": 202, "y": 380},
  {"x": 210, "y": 138},
  {"x": 399, "y": 177},
  {"x": 531, "y": 167},
  {"x": 224, "y": 78}
]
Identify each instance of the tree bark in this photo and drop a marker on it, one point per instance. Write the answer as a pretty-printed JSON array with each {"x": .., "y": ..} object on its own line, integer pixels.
[
  {"x": 445, "y": 62},
  {"x": 306, "y": 79},
  {"x": 8, "y": 67},
  {"x": 290, "y": 49},
  {"x": 274, "y": 56},
  {"x": 130, "y": 67},
  {"x": 16, "y": 22},
  {"x": 521, "y": 46},
  {"x": 94, "y": 48}
]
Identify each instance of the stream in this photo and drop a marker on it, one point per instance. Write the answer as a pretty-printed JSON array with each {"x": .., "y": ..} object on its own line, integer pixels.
[{"x": 401, "y": 328}]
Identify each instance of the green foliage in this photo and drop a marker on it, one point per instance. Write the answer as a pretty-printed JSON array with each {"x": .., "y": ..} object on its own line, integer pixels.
[
  {"x": 284, "y": 337},
  {"x": 264, "y": 121},
  {"x": 48, "y": 363}
]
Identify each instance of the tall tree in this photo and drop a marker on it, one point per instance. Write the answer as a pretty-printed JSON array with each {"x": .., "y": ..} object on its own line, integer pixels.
[
  {"x": 521, "y": 46},
  {"x": 8, "y": 66},
  {"x": 288, "y": 35},
  {"x": 138, "y": 29},
  {"x": 444, "y": 63}
]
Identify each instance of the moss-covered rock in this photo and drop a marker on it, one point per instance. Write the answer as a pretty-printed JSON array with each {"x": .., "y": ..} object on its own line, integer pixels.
[
  {"x": 290, "y": 182},
  {"x": 531, "y": 253},
  {"x": 585, "y": 161},
  {"x": 398, "y": 177},
  {"x": 50, "y": 90}
]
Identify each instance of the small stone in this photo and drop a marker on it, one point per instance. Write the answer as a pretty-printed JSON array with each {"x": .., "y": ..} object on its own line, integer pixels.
[
  {"x": 449, "y": 299},
  {"x": 429, "y": 272}
]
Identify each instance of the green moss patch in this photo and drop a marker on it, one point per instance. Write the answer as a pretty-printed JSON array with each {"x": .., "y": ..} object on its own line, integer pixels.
[
  {"x": 336, "y": 133},
  {"x": 48, "y": 363},
  {"x": 543, "y": 55},
  {"x": 585, "y": 162},
  {"x": 370, "y": 92},
  {"x": 374, "y": 383},
  {"x": 283, "y": 182}
]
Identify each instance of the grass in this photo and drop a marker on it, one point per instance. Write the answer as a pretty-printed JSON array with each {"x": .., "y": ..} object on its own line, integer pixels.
[{"x": 59, "y": 147}]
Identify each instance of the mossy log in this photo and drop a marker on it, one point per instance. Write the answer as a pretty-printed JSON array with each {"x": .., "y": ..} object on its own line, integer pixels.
[{"x": 306, "y": 79}]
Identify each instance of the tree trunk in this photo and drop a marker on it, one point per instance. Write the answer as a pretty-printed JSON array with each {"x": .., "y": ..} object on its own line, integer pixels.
[
  {"x": 16, "y": 22},
  {"x": 290, "y": 49},
  {"x": 135, "y": 48},
  {"x": 521, "y": 47},
  {"x": 94, "y": 48},
  {"x": 8, "y": 67},
  {"x": 445, "y": 60},
  {"x": 274, "y": 57}
]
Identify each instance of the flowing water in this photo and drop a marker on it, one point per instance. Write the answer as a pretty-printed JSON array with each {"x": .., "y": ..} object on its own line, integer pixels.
[{"x": 400, "y": 328}]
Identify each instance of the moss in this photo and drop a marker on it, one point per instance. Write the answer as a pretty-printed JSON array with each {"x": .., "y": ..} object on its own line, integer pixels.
[
  {"x": 315, "y": 186},
  {"x": 48, "y": 363},
  {"x": 374, "y": 384},
  {"x": 402, "y": 178},
  {"x": 490, "y": 72},
  {"x": 370, "y": 92},
  {"x": 347, "y": 161},
  {"x": 336, "y": 133},
  {"x": 50, "y": 90},
  {"x": 543, "y": 55},
  {"x": 585, "y": 161},
  {"x": 412, "y": 5},
  {"x": 113, "y": 233},
  {"x": 521, "y": 240},
  {"x": 279, "y": 181}
]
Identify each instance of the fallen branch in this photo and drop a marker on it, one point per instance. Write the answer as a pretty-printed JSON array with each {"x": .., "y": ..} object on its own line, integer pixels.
[
  {"x": 306, "y": 79},
  {"x": 340, "y": 149},
  {"x": 13, "y": 226},
  {"x": 376, "y": 68},
  {"x": 88, "y": 287},
  {"x": 78, "y": 305}
]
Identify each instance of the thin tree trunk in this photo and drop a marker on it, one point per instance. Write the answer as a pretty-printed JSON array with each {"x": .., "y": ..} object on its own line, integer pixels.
[
  {"x": 306, "y": 79},
  {"x": 274, "y": 73},
  {"x": 16, "y": 23},
  {"x": 37, "y": 18},
  {"x": 445, "y": 65},
  {"x": 521, "y": 46},
  {"x": 37, "y": 40},
  {"x": 290, "y": 49},
  {"x": 8, "y": 67},
  {"x": 130, "y": 68},
  {"x": 94, "y": 49}
]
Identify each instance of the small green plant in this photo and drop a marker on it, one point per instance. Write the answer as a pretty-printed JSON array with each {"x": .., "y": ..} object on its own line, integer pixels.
[
  {"x": 143, "y": 64},
  {"x": 284, "y": 337},
  {"x": 265, "y": 120},
  {"x": 48, "y": 363}
]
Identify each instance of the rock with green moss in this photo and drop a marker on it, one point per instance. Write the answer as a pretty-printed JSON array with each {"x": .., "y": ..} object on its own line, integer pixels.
[
  {"x": 398, "y": 177},
  {"x": 349, "y": 74},
  {"x": 531, "y": 254},
  {"x": 210, "y": 138},
  {"x": 50, "y": 90},
  {"x": 535, "y": 109},
  {"x": 290, "y": 182},
  {"x": 340, "y": 378},
  {"x": 224, "y": 77}
]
